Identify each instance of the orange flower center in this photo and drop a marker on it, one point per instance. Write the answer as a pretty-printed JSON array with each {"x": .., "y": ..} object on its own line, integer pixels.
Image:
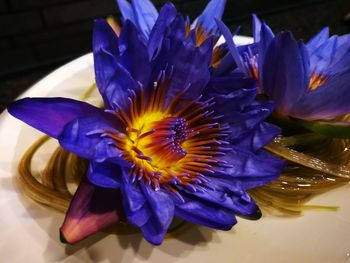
[{"x": 170, "y": 144}]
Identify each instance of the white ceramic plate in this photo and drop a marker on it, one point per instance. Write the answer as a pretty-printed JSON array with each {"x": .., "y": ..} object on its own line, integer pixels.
[{"x": 29, "y": 232}]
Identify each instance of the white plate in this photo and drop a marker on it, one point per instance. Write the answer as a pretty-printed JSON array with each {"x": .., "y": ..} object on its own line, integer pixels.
[{"x": 29, "y": 232}]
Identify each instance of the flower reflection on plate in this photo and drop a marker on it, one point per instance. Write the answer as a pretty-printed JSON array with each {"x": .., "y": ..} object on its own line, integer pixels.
[{"x": 30, "y": 232}]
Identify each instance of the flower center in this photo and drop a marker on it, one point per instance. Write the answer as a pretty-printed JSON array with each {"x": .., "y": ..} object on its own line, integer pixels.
[
  {"x": 170, "y": 143},
  {"x": 159, "y": 141}
]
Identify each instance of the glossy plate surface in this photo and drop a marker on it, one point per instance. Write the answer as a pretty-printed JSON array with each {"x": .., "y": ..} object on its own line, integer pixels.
[{"x": 29, "y": 232}]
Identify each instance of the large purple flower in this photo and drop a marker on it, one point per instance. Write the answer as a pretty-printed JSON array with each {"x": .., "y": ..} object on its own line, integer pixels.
[{"x": 170, "y": 140}]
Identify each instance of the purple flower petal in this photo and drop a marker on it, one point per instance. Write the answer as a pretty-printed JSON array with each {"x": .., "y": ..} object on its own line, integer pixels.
[
  {"x": 162, "y": 212},
  {"x": 344, "y": 42},
  {"x": 328, "y": 101},
  {"x": 135, "y": 205},
  {"x": 240, "y": 96},
  {"x": 231, "y": 46},
  {"x": 126, "y": 10},
  {"x": 91, "y": 210},
  {"x": 113, "y": 79},
  {"x": 318, "y": 39},
  {"x": 266, "y": 37},
  {"x": 341, "y": 60},
  {"x": 205, "y": 214},
  {"x": 85, "y": 137},
  {"x": 188, "y": 64},
  {"x": 322, "y": 57},
  {"x": 166, "y": 15},
  {"x": 150, "y": 210},
  {"x": 340, "y": 64},
  {"x": 134, "y": 54},
  {"x": 189, "y": 68},
  {"x": 256, "y": 28},
  {"x": 50, "y": 115},
  {"x": 258, "y": 138},
  {"x": 145, "y": 15},
  {"x": 285, "y": 73},
  {"x": 214, "y": 10},
  {"x": 234, "y": 83},
  {"x": 106, "y": 174},
  {"x": 234, "y": 199},
  {"x": 104, "y": 38},
  {"x": 119, "y": 87},
  {"x": 244, "y": 122},
  {"x": 105, "y": 47},
  {"x": 251, "y": 169}
]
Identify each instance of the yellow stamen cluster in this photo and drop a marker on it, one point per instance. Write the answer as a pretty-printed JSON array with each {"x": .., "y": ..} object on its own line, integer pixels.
[{"x": 168, "y": 144}]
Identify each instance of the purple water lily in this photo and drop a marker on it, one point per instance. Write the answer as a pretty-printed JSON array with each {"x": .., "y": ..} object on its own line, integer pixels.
[
  {"x": 170, "y": 140},
  {"x": 308, "y": 82},
  {"x": 311, "y": 81}
]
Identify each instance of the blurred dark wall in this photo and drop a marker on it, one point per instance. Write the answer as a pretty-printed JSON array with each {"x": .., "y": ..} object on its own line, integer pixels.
[{"x": 37, "y": 33}]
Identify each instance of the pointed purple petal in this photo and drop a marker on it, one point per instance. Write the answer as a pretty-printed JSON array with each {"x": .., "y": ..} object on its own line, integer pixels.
[
  {"x": 266, "y": 37},
  {"x": 231, "y": 46},
  {"x": 126, "y": 10},
  {"x": 256, "y": 28},
  {"x": 91, "y": 210},
  {"x": 134, "y": 56},
  {"x": 285, "y": 72},
  {"x": 50, "y": 115},
  {"x": 214, "y": 10},
  {"x": 166, "y": 15},
  {"x": 340, "y": 62},
  {"x": 113, "y": 79},
  {"x": 322, "y": 57},
  {"x": 104, "y": 38},
  {"x": 318, "y": 39},
  {"x": 105, "y": 50},
  {"x": 146, "y": 15}
]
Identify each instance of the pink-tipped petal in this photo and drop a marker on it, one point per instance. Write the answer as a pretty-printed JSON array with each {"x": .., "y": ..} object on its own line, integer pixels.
[{"x": 91, "y": 210}]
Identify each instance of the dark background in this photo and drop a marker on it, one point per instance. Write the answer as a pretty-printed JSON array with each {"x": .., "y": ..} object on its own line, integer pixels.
[{"x": 37, "y": 36}]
